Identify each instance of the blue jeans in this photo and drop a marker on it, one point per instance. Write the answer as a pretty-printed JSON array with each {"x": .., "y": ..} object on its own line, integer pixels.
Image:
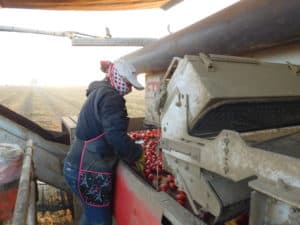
[{"x": 92, "y": 215}]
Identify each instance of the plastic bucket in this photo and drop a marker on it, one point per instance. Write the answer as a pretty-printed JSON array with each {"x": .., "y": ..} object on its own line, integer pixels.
[{"x": 11, "y": 158}]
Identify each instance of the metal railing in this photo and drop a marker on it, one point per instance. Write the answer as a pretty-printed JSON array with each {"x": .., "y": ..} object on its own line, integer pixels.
[{"x": 25, "y": 208}]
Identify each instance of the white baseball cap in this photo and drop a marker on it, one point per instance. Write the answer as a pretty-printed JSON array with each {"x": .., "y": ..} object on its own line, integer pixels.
[{"x": 128, "y": 71}]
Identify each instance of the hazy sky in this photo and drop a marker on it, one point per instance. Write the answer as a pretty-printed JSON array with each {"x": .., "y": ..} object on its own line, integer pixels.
[{"x": 53, "y": 60}]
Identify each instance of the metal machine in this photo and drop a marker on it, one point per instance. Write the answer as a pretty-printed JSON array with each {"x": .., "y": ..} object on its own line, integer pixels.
[{"x": 219, "y": 115}]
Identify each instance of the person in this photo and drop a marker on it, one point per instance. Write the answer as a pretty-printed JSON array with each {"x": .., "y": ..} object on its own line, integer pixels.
[{"x": 101, "y": 139}]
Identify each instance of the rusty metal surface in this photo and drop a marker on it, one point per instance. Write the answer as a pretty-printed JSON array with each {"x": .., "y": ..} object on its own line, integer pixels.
[
  {"x": 263, "y": 24},
  {"x": 83, "y": 5},
  {"x": 23, "y": 121}
]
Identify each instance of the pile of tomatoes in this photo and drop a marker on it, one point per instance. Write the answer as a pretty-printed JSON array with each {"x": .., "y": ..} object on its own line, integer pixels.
[{"x": 154, "y": 172}]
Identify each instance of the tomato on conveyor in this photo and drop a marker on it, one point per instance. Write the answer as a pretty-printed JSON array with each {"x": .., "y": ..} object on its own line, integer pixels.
[{"x": 154, "y": 173}]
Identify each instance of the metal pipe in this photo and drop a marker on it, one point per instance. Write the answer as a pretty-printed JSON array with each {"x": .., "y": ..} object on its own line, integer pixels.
[
  {"x": 21, "y": 206},
  {"x": 241, "y": 28},
  {"x": 69, "y": 34},
  {"x": 31, "y": 216},
  {"x": 111, "y": 41}
]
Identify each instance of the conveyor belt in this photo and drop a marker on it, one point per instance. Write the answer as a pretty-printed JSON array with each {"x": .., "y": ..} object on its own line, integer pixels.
[
  {"x": 248, "y": 116},
  {"x": 59, "y": 137}
]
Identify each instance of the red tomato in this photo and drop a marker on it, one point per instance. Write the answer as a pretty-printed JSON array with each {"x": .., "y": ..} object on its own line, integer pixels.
[
  {"x": 181, "y": 192},
  {"x": 150, "y": 177},
  {"x": 147, "y": 171},
  {"x": 159, "y": 177},
  {"x": 170, "y": 178},
  {"x": 164, "y": 187},
  {"x": 180, "y": 196},
  {"x": 172, "y": 185},
  {"x": 153, "y": 168}
]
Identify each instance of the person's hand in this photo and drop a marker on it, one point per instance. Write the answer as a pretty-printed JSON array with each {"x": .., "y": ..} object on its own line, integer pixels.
[{"x": 140, "y": 164}]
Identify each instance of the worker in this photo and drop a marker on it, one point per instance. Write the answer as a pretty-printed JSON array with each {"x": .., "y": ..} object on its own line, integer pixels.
[{"x": 101, "y": 139}]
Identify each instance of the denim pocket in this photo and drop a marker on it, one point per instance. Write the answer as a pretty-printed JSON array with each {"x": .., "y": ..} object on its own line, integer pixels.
[{"x": 95, "y": 188}]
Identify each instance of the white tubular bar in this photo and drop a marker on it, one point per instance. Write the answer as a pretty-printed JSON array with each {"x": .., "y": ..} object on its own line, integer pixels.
[
  {"x": 22, "y": 202},
  {"x": 31, "y": 215}
]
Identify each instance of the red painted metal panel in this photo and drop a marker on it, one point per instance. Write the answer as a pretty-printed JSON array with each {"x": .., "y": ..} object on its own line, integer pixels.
[
  {"x": 129, "y": 208},
  {"x": 7, "y": 203}
]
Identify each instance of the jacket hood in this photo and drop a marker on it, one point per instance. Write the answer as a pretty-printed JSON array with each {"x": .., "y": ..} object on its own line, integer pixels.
[{"x": 95, "y": 85}]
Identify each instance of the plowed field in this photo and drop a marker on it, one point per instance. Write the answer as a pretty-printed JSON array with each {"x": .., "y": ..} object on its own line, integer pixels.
[{"x": 47, "y": 105}]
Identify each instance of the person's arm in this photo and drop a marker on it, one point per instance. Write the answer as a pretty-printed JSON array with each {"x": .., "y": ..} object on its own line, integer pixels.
[{"x": 115, "y": 123}]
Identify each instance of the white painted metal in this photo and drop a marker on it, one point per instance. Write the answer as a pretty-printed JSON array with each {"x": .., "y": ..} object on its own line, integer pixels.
[
  {"x": 282, "y": 54},
  {"x": 151, "y": 95},
  {"x": 22, "y": 201},
  {"x": 196, "y": 84},
  {"x": 203, "y": 85},
  {"x": 31, "y": 216},
  {"x": 111, "y": 41}
]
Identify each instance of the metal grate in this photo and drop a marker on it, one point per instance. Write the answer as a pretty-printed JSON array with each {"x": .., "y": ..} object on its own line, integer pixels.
[{"x": 248, "y": 116}]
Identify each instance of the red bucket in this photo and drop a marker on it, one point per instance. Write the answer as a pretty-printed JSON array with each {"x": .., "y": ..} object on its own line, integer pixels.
[
  {"x": 11, "y": 157},
  {"x": 8, "y": 195}
]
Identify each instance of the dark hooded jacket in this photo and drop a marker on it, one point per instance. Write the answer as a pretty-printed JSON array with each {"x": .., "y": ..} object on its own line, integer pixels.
[{"x": 104, "y": 111}]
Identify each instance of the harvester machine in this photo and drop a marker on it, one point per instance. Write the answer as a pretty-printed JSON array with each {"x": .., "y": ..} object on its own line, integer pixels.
[{"x": 230, "y": 135}]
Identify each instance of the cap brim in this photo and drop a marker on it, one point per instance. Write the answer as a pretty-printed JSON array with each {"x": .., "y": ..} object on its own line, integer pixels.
[{"x": 133, "y": 80}]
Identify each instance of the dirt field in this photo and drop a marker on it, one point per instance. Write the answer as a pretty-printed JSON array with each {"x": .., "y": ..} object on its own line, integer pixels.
[{"x": 46, "y": 105}]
